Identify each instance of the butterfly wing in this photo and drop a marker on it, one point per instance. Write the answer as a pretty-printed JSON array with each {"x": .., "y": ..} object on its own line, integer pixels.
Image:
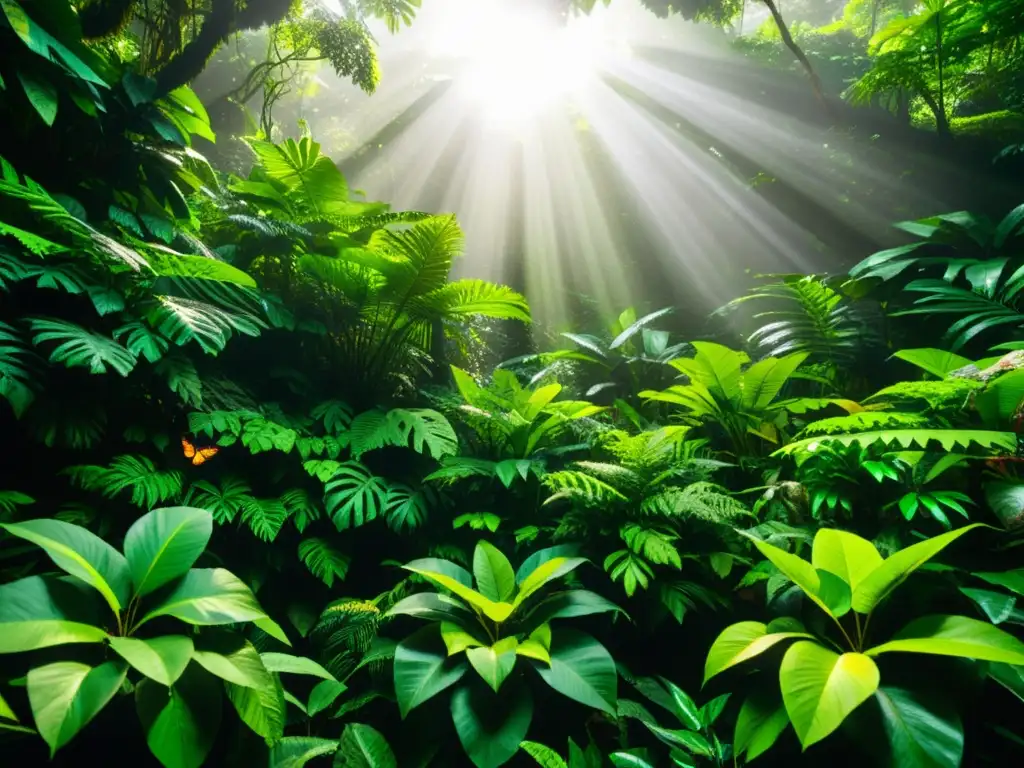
[
  {"x": 204, "y": 454},
  {"x": 188, "y": 448}
]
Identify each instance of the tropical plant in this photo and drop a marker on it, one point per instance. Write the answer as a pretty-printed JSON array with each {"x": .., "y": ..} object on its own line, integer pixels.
[
  {"x": 111, "y": 598},
  {"x": 825, "y": 675},
  {"x": 490, "y": 629}
]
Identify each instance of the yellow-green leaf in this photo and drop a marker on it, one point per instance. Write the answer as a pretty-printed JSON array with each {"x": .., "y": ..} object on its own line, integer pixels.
[
  {"x": 820, "y": 688},
  {"x": 741, "y": 642},
  {"x": 456, "y": 639},
  {"x": 955, "y": 636},
  {"x": 879, "y": 583},
  {"x": 66, "y": 695},
  {"x": 798, "y": 570},
  {"x": 844, "y": 554},
  {"x": 537, "y": 645},
  {"x": 494, "y": 663},
  {"x": 494, "y": 611},
  {"x": 161, "y": 658}
]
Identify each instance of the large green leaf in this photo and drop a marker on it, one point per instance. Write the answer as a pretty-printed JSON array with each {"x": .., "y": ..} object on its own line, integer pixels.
[
  {"x": 422, "y": 669},
  {"x": 491, "y": 726},
  {"x": 296, "y": 665},
  {"x": 846, "y": 555},
  {"x": 164, "y": 544},
  {"x": 296, "y": 751},
  {"x": 208, "y": 596},
  {"x": 570, "y": 604},
  {"x": 431, "y": 605},
  {"x": 494, "y": 575},
  {"x": 545, "y": 573},
  {"x": 495, "y": 611},
  {"x": 457, "y": 639},
  {"x": 740, "y": 642},
  {"x": 323, "y": 695},
  {"x": 684, "y": 707},
  {"x": 879, "y": 583},
  {"x": 262, "y": 709},
  {"x": 180, "y": 723},
  {"x": 363, "y": 747},
  {"x": 66, "y": 695},
  {"x": 38, "y": 612},
  {"x": 820, "y": 688},
  {"x": 582, "y": 669},
  {"x": 923, "y": 732},
  {"x": 494, "y": 663},
  {"x": 798, "y": 570},
  {"x": 161, "y": 658},
  {"x": 761, "y": 721},
  {"x": 82, "y": 554},
  {"x": 955, "y": 636},
  {"x": 235, "y": 660},
  {"x": 541, "y": 556},
  {"x": 765, "y": 379}
]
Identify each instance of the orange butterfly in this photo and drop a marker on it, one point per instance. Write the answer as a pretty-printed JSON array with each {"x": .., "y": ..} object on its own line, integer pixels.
[{"x": 198, "y": 455}]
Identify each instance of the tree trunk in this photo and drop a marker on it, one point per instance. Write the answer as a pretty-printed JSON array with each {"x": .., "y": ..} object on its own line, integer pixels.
[{"x": 790, "y": 43}]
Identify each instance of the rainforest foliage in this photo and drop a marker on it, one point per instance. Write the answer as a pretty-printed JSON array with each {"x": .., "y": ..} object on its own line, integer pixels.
[{"x": 263, "y": 500}]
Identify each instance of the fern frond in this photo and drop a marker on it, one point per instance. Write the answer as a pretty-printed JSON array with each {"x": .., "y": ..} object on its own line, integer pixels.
[
  {"x": 224, "y": 502},
  {"x": 184, "y": 320},
  {"x": 149, "y": 486},
  {"x": 17, "y": 379},
  {"x": 302, "y": 509},
  {"x": 10, "y": 501},
  {"x": 265, "y": 517},
  {"x": 455, "y": 468},
  {"x": 615, "y": 475},
  {"x": 629, "y": 568},
  {"x": 406, "y": 508},
  {"x": 655, "y": 544},
  {"x": 345, "y": 630},
  {"x": 579, "y": 486},
  {"x": 427, "y": 430},
  {"x": 323, "y": 560},
  {"x": 948, "y": 394},
  {"x": 354, "y": 495},
  {"x": 78, "y": 347},
  {"x": 865, "y": 421},
  {"x": 702, "y": 500},
  {"x": 260, "y": 435}
]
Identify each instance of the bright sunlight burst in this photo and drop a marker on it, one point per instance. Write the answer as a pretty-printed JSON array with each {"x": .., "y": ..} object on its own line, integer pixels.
[{"x": 520, "y": 61}]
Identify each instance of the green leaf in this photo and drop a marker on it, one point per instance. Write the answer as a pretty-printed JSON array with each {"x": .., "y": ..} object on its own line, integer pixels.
[
  {"x": 42, "y": 95},
  {"x": 422, "y": 669},
  {"x": 431, "y": 605},
  {"x": 180, "y": 723},
  {"x": 712, "y": 710},
  {"x": 495, "y": 611},
  {"x": 684, "y": 707},
  {"x": 296, "y": 751},
  {"x": 796, "y": 569},
  {"x": 761, "y": 721},
  {"x": 38, "y": 612},
  {"x": 955, "y": 636},
  {"x": 66, "y": 695},
  {"x": 820, "y": 688},
  {"x": 208, "y": 596},
  {"x": 323, "y": 560},
  {"x": 542, "y": 556},
  {"x": 845, "y": 555},
  {"x": 537, "y": 645},
  {"x": 494, "y": 663},
  {"x": 923, "y": 732},
  {"x": 164, "y": 544},
  {"x": 997, "y": 606},
  {"x": 78, "y": 347},
  {"x": 494, "y": 575},
  {"x": 234, "y": 659},
  {"x": 546, "y": 757},
  {"x": 456, "y": 639},
  {"x": 629, "y": 760},
  {"x": 570, "y": 604},
  {"x": 354, "y": 495},
  {"x": 323, "y": 695},
  {"x": 582, "y": 669},
  {"x": 879, "y": 583},
  {"x": 295, "y": 665},
  {"x": 363, "y": 747},
  {"x": 161, "y": 658},
  {"x": 834, "y": 593},
  {"x": 545, "y": 573},
  {"x": 490, "y": 726},
  {"x": 82, "y": 554},
  {"x": 741, "y": 642},
  {"x": 262, "y": 709}
]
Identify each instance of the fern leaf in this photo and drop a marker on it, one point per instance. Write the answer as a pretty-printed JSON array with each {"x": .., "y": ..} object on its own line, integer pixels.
[
  {"x": 655, "y": 545},
  {"x": 865, "y": 421},
  {"x": 335, "y": 415},
  {"x": 142, "y": 341},
  {"x": 182, "y": 378},
  {"x": 323, "y": 560},
  {"x": 702, "y": 500},
  {"x": 10, "y": 501},
  {"x": 79, "y": 347},
  {"x": 301, "y": 508},
  {"x": 429, "y": 431},
  {"x": 265, "y": 517},
  {"x": 149, "y": 486},
  {"x": 406, "y": 508},
  {"x": 455, "y": 468},
  {"x": 260, "y": 435},
  {"x": 354, "y": 495},
  {"x": 223, "y": 502},
  {"x": 183, "y": 320},
  {"x": 950, "y": 440},
  {"x": 579, "y": 486},
  {"x": 17, "y": 382}
]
